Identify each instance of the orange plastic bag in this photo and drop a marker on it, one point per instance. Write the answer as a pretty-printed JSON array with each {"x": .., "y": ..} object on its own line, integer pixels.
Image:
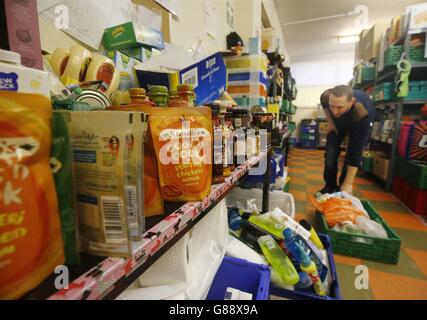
[
  {"x": 336, "y": 210},
  {"x": 30, "y": 234},
  {"x": 153, "y": 201},
  {"x": 182, "y": 138}
]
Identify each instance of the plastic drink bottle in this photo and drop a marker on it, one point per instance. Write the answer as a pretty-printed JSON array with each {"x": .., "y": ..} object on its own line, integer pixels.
[
  {"x": 309, "y": 267},
  {"x": 290, "y": 244},
  {"x": 278, "y": 260},
  {"x": 313, "y": 235}
]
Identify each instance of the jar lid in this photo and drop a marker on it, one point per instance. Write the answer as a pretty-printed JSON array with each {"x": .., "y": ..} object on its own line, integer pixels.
[
  {"x": 158, "y": 90},
  {"x": 10, "y": 56},
  {"x": 185, "y": 87},
  {"x": 137, "y": 92}
]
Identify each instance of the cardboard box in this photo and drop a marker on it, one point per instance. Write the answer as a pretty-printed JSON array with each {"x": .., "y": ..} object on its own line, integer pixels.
[
  {"x": 130, "y": 35},
  {"x": 20, "y": 32},
  {"x": 141, "y": 54},
  {"x": 372, "y": 39},
  {"x": 360, "y": 46},
  {"x": 417, "y": 17},
  {"x": 208, "y": 76},
  {"x": 380, "y": 166},
  {"x": 126, "y": 66}
]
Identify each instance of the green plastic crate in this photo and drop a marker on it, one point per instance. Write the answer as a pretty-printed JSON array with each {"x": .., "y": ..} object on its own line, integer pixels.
[
  {"x": 367, "y": 164},
  {"x": 392, "y": 55},
  {"x": 368, "y": 73},
  {"x": 362, "y": 246},
  {"x": 417, "y": 90},
  {"x": 416, "y": 54},
  {"x": 384, "y": 92},
  {"x": 415, "y": 173},
  {"x": 285, "y": 106},
  {"x": 292, "y": 109}
]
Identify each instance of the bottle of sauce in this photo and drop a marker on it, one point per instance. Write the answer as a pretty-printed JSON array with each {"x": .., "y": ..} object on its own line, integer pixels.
[
  {"x": 218, "y": 145},
  {"x": 231, "y": 147},
  {"x": 159, "y": 96}
]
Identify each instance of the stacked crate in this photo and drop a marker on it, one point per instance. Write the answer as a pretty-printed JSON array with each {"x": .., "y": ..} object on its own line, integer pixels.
[
  {"x": 247, "y": 80},
  {"x": 309, "y": 129}
]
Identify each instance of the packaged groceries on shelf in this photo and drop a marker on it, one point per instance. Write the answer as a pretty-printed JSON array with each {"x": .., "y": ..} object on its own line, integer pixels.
[
  {"x": 61, "y": 163},
  {"x": 108, "y": 173},
  {"x": 78, "y": 65},
  {"x": 16, "y": 77},
  {"x": 153, "y": 201},
  {"x": 30, "y": 243},
  {"x": 182, "y": 138}
]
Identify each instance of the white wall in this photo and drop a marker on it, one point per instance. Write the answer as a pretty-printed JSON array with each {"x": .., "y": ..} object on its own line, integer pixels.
[
  {"x": 273, "y": 17},
  {"x": 187, "y": 29}
]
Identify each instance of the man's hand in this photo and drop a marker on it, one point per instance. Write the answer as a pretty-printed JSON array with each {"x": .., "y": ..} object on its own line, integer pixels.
[{"x": 347, "y": 187}]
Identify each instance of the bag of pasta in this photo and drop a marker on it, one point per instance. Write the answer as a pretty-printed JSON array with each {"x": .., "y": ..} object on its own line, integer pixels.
[
  {"x": 182, "y": 139},
  {"x": 30, "y": 233}
]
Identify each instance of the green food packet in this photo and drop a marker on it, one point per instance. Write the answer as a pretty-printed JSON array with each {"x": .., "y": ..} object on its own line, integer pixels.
[{"x": 62, "y": 167}]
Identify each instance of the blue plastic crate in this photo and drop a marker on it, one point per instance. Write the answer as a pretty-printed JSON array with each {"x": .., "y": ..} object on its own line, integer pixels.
[
  {"x": 308, "y": 144},
  {"x": 310, "y": 129},
  {"x": 298, "y": 294},
  {"x": 252, "y": 180},
  {"x": 241, "y": 275}
]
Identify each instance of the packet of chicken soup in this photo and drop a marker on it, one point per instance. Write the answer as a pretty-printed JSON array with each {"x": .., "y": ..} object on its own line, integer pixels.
[
  {"x": 30, "y": 233},
  {"x": 182, "y": 139},
  {"x": 107, "y": 150}
]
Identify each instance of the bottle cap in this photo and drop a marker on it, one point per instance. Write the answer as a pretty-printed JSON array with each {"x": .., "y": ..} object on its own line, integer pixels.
[
  {"x": 185, "y": 87},
  {"x": 305, "y": 224},
  {"x": 288, "y": 234},
  {"x": 137, "y": 92},
  {"x": 158, "y": 90}
]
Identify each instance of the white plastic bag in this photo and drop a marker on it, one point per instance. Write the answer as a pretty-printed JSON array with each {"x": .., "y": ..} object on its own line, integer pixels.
[
  {"x": 187, "y": 270},
  {"x": 371, "y": 227}
]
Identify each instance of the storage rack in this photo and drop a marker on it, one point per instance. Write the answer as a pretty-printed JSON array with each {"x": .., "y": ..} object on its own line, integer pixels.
[
  {"x": 399, "y": 106},
  {"x": 276, "y": 61},
  {"x": 106, "y": 278}
]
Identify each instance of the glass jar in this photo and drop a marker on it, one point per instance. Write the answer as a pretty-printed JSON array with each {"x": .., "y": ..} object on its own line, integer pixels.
[
  {"x": 186, "y": 94},
  {"x": 173, "y": 99},
  {"x": 159, "y": 96},
  {"x": 218, "y": 146},
  {"x": 230, "y": 139},
  {"x": 137, "y": 95}
]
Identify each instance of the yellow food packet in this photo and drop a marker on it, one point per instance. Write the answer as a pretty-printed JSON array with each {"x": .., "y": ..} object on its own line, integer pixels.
[{"x": 30, "y": 234}]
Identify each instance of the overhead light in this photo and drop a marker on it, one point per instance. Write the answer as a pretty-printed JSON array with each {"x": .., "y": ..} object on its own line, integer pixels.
[{"x": 348, "y": 39}]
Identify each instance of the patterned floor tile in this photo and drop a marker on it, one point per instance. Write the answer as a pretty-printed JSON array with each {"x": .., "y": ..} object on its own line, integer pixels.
[
  {"x": 386, "y": 286},
  {"x": 405, "y": 267},
  {"x": 420, "y": 258},
  {"x": 379, "y": 196},
  {"x": 346, "y": 278},
  {"x": 403, "y": 221}
]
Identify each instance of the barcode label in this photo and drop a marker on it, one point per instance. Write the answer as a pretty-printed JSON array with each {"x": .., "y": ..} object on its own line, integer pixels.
[
  {"x": 190, "y": 77},
  {"x": 112, "y": 210},
  {"x": 131, "y": 201}
]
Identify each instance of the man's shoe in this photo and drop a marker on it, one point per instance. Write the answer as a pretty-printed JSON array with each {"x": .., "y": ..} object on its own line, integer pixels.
[{"x": 329, "y": 190}]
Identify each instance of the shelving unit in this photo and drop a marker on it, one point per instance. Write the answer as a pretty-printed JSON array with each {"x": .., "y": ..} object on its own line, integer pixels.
[
  {"x": 418, "y": 72},
  {"x": 107, "y": 278}
]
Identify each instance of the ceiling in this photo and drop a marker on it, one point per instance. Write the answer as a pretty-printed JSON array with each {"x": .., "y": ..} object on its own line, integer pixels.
[{"x": 320, "y": 38}]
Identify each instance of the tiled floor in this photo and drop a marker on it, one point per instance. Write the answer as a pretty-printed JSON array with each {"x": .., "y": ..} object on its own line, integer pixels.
[{"x": 407, "y": 279}]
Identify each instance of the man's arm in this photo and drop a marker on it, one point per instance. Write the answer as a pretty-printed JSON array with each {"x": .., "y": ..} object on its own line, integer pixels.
[{"x": 358, "y": 136}]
